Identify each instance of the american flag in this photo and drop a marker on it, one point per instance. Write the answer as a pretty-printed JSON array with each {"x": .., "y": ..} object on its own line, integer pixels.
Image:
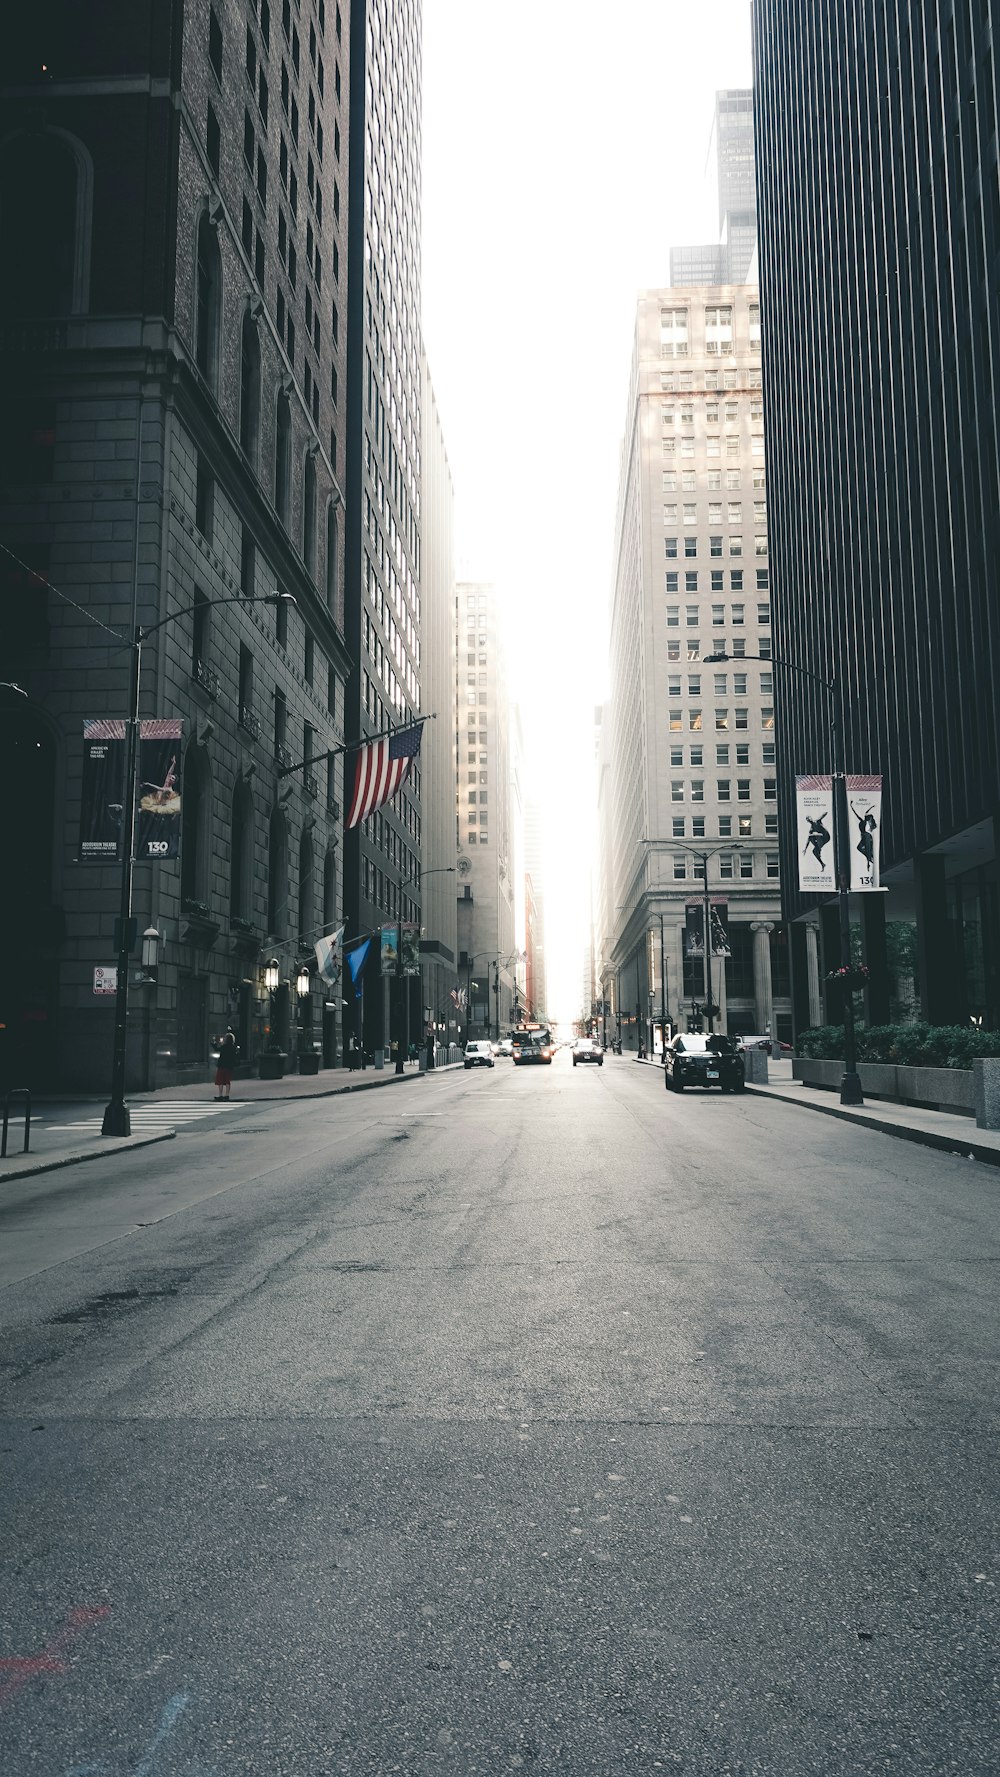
[{"x": 380, "y": 766}]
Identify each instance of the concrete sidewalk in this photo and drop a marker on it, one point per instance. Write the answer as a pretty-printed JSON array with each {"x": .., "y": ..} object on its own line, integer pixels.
[
  {"x": 53, "y": 1145},
  {"x": 932, "y": 1129}
]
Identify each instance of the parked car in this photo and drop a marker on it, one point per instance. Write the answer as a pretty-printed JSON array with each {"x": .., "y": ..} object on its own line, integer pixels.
[
  {"x": 479, "y": 1054},
  {"x": 585, "y": 1049},
  {"x": 695, "y": 1060}
]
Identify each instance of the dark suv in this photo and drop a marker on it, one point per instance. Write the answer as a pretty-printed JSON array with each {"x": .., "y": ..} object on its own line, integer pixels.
[{"x": 694, "y": 1060}]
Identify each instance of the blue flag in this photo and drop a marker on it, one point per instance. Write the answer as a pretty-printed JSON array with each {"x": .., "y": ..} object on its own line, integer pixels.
[{"x": 356, "y": 959}]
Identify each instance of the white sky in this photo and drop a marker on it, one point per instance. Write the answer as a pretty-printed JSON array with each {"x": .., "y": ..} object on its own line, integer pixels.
[{"x": 564, "y": 152}]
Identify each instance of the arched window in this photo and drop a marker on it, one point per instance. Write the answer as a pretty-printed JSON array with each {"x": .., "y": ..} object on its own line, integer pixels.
[
  {"x": 249, "y": 390},
  {"x": 196, "y": 828},
  {"x": 282, "y": 459},
  {"x": 44, "y": 232},
  {"x": 329, "y": 891},
  {"x": 332, "y": 556},
  {"x": 208, "y": 303},
  {"x": 309, "y": 515},
  {"x": 277, "y": 876},
  {"x": 241, "y": 862},
  {"x": 307, "y": 893}
]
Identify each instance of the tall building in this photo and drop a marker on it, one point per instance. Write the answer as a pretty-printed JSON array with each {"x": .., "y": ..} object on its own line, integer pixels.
[
  {"x": 483, "y": 816},
  {"x": 729, "y": 260},
  {"x": 690, "y": 756},
  {"x": 439, "y": 880},
  {"x": 882, "y": 358},
  {"x": 534, "y": 870},
  {"x": 173, "y": 186},
  {"x": 382, "y": 607}
]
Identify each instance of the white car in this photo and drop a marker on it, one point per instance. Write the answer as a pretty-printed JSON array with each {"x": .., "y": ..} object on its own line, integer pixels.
[
  {"x": 479, "y": 1054},
  {"x": 506, "y": 1047}
]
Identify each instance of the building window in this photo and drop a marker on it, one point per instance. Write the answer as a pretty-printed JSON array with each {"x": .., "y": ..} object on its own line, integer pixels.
[
  {"x": 697, "y": 789},
  {"x": 773, "y": 866},
  {"x": 208, "y": 303},
  {"x": 691, "y": 580},
  {"x": 673, "y": 333},
  {"x": 690, "y": 548},
  {"x": 690, "y": 514},
  {"x": 722, "y": 754},
  {"x": 746, "y": 865},
  {"x": 725, "y": 866},
  {"x": 249, "y": 390},
  {"x": 680, "y": 869},
  {"x": 725, "y": 826},
  {"x": 694, "y": 721},
  {"x": 718, "y": 616},
  {"x": 736, "y": 580},
  {"x": 742, "y": 789},
  {"x": 745, "y": 826},
  {"x": 672, "y": 581},
  {"x": 722, "y": 790},
  {"x": 282, "y": 459},
  {"x": 717, "y": 580},
  {"x": 670, "y": 546},
  {"x": 309, "y": 515},
  {"x": 204, "y": 499},
  {"x": 770, "y": 783},
  {"x": 719, "y": 331},
  {"x": 698, "y": 826},
  {"x": 767, "y": 752},
  {"x": 721, "y": 720},
  {"x": 691, "y": 617},
  {"x": 676, "y": 720},
  {"x": 673, "y": 616},
  {"x": 676, "y": 790}
]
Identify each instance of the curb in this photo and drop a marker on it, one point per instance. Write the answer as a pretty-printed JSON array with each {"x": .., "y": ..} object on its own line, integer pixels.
[
  {"x": 926, "y": 1138},
  {"x": 328, "y": 1092},
  {"x": 123, "y": 1145}
]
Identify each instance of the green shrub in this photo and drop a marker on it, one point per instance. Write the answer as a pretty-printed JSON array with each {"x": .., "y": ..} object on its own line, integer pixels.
[{"x": 904, "y": 1045}]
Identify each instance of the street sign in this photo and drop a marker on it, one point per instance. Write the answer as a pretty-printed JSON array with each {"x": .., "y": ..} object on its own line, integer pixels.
[{"x": 105, "y": 981}]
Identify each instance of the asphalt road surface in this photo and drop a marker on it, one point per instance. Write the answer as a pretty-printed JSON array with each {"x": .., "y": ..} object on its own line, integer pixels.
[{"x": 520, "y": 1420}]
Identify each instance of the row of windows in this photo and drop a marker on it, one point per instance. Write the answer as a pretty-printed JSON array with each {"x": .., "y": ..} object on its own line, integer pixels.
[
  {"x": 713, "y": 411},
  {"x": 694, "y": 722},
  {"x": 720, "y": 684},
  {"x": 742, "y": 866},
  {"x": 200, "y": 853},
  {"x": 693, "y": 615},
  {"x": 690, "y": 647},
  {"x": 687, "y": 381},
  {"x": 381, "y": 891},
  {"x": 696, "y": 753},
  {"x": 717, "y": 321},
  {"x": 681, "y": 827},
  {"x": 714, "y": 547},
  {"x": 713, "y": 446},
  {"x": 687, "y": 481},
  {"x": 693, "y": 789},
  {"x": 733, "y": 513},
  {"x": 716, "y": 583}
]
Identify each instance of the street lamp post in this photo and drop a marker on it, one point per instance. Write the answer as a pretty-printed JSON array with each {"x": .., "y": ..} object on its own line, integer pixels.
[
  {"x": 117, "y": 1120},
  {"x": 663, "y": 995},
  {"x": 850, "y": 1084}
]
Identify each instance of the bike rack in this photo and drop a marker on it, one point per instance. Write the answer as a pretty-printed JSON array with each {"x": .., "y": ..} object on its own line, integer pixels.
[{"x": 16, "y": 1092}]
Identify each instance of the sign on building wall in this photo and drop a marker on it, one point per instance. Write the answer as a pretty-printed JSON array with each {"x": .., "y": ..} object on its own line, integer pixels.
[
  {"x": 815, "y": 826},
  {"x": 694, "y": 927},
  {"x": 102, "y": 813}
]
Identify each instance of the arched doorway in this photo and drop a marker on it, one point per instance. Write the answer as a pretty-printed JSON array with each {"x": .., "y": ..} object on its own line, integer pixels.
[{"x": 32, "y": 927}]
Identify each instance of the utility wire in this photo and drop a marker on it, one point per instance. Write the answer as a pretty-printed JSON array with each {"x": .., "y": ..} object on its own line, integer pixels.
[{"x": 35, "y": 575}]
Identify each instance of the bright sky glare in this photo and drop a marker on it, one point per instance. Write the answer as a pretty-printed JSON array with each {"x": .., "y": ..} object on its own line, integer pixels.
[{"x": 565, "y": 149}]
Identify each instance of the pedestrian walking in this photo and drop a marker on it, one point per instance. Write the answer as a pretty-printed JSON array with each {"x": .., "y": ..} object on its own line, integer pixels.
[{"x": 224, "y": 1071}]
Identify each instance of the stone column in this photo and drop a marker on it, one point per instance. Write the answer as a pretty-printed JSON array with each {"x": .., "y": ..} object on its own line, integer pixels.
[
  {"x": 762, "y": 990},
  {"x": 812, "y": 976}
]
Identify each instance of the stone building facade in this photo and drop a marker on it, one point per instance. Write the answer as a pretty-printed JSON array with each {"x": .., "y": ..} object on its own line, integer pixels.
[
  {"x": 171, "y": 457},
  {"x": 690, "y": 749},
  {"x": 483, "y": 813}
]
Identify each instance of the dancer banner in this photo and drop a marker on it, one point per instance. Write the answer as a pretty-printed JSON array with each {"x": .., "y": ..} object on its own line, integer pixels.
[
  {"x": 158, "y": 823},
  {"x": 694, "y": 922},
  {"x": 814, "y": 822},
  {"x": 814, "y": 801},
  {"x": 864, "y": 801}
]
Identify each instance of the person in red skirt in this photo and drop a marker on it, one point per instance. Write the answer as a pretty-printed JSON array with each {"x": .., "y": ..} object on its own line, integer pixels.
[{"x": 224, "y": 1071}]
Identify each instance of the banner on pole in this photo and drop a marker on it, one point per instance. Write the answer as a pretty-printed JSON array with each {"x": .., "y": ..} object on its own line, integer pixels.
[
  {"x": 388, "y": 949},
  {"x": 158, "y": 826},
  {"x": 694, "y": 923},
  {"x": 864, "y": 802},
  {"x": 814, "y": 824},
  {"x": 103, "y": 817},
  {"x": 411, "y": 949},
  {"x": 101, "y": 792}
]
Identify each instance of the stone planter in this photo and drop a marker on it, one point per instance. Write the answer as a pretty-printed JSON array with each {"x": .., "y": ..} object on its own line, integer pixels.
[
  {"x": 309, "y": 1064},
  {"x": 986, "y": 1092},
  {"x": 272, "y": 1064},
  {"x": 933, "y": 1088}
]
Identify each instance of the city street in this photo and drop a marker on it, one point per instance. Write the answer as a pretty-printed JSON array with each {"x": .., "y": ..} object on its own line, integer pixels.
[{"x": 526, "y": 1420}]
